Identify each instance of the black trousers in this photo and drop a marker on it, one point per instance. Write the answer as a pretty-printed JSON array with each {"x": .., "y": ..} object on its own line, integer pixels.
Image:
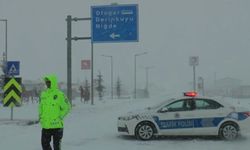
[{"x": 55, "y": 134}]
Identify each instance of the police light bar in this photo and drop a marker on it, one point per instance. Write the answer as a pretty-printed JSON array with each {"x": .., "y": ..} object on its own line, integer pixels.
[{"x": 190, "y": 94}]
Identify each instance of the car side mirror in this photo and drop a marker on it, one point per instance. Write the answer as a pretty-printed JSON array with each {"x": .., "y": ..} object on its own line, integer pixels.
[{"x": 162, "y": 110}]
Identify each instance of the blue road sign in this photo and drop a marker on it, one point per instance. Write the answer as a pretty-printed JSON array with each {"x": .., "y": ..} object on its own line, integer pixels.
[
  {"x": 13, "y": 68},
  {"x": 114, "y": 23}
]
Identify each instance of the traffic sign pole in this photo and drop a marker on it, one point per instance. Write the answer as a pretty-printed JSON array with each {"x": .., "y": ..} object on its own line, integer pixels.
[
  {"x": 92, "y": 73},
  {"x": 69, "y": 70},
  {"x": 12, "y": 93},
  {"x": 69, "y": 55},
  {"x": 110, "y": 23}
]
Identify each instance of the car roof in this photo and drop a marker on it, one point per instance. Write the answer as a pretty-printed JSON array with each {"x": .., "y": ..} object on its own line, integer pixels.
[{"x": 222, "y": 101}]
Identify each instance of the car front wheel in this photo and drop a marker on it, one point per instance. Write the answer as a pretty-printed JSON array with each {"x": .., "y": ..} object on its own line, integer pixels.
[
  {"x": 229, "y": 131},
  {"x": 144, "y": 131}
]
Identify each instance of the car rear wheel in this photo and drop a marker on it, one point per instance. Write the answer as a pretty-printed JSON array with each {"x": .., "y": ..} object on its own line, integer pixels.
[
  {"x": 144, "y": 131},
  {"x": 229, "y": 131}
]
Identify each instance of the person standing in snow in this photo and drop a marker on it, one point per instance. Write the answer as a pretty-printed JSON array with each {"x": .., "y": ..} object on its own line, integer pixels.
[
  {"x": 53, "y": 107},
  {"x": 82, "y": 93}
]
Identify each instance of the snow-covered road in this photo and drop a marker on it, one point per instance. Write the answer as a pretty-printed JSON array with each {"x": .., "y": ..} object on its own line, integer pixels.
[{"x": 93, "y": 127}]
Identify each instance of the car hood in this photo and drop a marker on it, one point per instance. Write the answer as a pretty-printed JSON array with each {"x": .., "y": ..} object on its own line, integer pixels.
[{"x": 140, "y": 112}]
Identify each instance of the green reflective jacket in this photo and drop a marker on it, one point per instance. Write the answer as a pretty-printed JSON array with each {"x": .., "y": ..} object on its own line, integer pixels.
[{"x": 53, "y": 106}]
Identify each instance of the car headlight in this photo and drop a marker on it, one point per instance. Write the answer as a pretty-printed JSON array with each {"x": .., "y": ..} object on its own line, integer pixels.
[{"x": 128, "y": 117}]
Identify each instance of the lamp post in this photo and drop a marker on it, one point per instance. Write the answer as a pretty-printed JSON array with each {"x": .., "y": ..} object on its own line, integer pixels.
[
  {"x": 6, "y": 42},
  {"x": 111, "y": 66},
  {"x": 138, "y": 54}
]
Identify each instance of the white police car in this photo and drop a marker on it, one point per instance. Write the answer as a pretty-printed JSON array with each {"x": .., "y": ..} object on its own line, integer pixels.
[{"x": 186, "y": 116}]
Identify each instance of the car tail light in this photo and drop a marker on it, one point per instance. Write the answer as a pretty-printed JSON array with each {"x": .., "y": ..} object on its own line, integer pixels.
[{"x": 247, "y": 113}]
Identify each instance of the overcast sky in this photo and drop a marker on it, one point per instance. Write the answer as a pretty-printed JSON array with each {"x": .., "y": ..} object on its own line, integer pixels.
[{"x": 218, "y": 31}]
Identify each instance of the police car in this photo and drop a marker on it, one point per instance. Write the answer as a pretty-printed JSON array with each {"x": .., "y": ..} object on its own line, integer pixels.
[{"x": 187, "y": 116}]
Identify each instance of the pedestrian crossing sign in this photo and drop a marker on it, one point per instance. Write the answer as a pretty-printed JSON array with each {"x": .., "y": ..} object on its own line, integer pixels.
[{"x": 13, "y": 68}]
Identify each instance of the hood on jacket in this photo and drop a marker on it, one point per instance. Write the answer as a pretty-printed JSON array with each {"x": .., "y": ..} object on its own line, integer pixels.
[{"x": 52, "y": 79}]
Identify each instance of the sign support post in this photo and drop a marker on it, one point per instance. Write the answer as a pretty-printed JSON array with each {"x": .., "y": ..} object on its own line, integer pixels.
[
  {"x": 104, "y": 28},
  {"x": 69, "y": 55},
  {"x": 12, "y": 69}
]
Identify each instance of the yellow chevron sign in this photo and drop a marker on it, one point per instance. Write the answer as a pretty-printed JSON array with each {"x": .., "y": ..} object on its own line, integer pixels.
[{"x": 12, "y": 92}]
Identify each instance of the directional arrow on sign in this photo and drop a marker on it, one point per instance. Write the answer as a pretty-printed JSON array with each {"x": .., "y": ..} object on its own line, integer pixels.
[
  {"x": 114, "y": 23},
  {"x": 114, "y": 36}
]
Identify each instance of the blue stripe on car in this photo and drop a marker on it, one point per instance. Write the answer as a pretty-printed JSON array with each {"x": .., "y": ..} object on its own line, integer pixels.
[
  {"x": 197, "y": 122},
  {"x": 187, "y": 123}
]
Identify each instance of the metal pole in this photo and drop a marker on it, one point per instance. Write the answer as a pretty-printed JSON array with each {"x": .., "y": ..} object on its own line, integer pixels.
[
  {"x": 203, "y": 90},
  {"x": 147, "y": 68},
  {"x": 135, "y": 80},
  {"x": 111, "y": 73},
  {"x": 112, "y": 92},
  {"x": 6, "y": 56},
  {"x": 69, "y": 55},
  {"x": 6, "y": 39},
  {"x": 139, "y": 54},
  {"x": 6, "y": 52},
  {"x": 194, "y": 78},
  {"x": 215, "y": 80},
  {"x": 92, "y": 73},
  {"x": 69, "y": 69}
]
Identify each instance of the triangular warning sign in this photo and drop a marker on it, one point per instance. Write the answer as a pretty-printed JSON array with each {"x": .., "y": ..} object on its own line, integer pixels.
[{"x": 12, "y": 69}]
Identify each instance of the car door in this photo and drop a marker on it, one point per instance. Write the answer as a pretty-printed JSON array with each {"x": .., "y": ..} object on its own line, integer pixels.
[
  {"x": 175, "y": 118},
  {"x": 207, "y": 116}
]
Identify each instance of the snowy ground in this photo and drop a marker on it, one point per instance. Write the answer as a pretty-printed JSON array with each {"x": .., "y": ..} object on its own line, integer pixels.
[{"x": 93, "y": 127}]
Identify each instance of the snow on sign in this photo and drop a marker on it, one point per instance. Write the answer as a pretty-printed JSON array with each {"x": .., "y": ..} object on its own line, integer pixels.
[
  {"x": 114, "y": 23},
  {"x": 13, "y": 68}
]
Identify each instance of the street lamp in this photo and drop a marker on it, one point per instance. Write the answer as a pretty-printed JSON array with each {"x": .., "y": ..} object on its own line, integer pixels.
[
  {"x": 138, "y": 54},
  {"x": 5, "y": 20},
  {"x": 111, "y": 66}
]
